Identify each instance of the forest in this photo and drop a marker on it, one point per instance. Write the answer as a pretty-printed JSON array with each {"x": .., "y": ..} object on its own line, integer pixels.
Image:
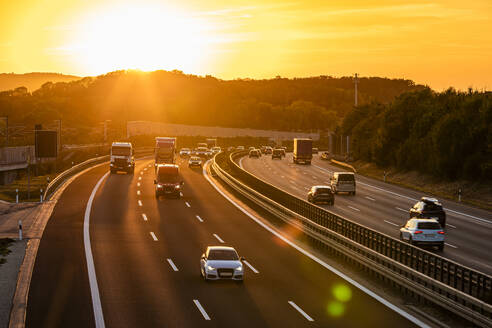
[
  {"x": 446, "y": 134},
  {"x": 299, "y": 104}
]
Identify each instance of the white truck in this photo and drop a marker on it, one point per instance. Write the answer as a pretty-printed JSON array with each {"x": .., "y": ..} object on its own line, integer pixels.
[
  {"x": 165, "y": 150},
  {"x": 121, "y": 158}
]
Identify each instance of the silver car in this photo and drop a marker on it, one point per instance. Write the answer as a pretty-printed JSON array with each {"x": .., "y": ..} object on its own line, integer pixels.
[
  {"x": 221, "y": 262},
  {"x": 423, "y": 232},
  {"x": 195, "y": 161}
]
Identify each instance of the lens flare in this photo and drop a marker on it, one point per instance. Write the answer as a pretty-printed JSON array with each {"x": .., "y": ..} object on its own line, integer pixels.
[
  {"x": 342, "y": 292},
  {"x": 336, "y": 309}
]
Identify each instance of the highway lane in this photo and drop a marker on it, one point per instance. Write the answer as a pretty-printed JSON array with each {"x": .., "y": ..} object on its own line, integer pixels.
[
  {"x": 384, "y": 207},
  {"x": 146, "y": 256}
]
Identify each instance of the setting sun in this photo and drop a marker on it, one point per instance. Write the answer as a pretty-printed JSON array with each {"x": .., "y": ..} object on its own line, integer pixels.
[{"x": 145, "y": 38}]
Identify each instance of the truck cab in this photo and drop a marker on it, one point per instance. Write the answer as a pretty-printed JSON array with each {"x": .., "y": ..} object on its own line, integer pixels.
[
  {"x": 121, "y": 158},
  {"x": 168, "y": 181}
]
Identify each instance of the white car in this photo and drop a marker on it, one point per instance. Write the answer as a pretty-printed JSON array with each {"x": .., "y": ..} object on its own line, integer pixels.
[
  {"x": 240, "y": 148},
  {"x": 423, "y": 232},
  {"x": 221, "y": 262},
  {"x": 185, "y": 152},
  {"x": 195, "y": 161},
  {"x": 216, "y": 149}
]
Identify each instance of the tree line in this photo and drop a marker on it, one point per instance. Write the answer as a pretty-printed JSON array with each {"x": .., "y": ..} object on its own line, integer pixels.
[{"x": 445, "y": 134}]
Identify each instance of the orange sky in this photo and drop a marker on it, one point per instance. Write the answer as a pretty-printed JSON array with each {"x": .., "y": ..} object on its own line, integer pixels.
[{"x": 440, "y": 43}]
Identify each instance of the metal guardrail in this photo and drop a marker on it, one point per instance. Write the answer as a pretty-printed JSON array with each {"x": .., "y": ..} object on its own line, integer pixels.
[
  {"x": 455, "y": 287},
  {"x": 60, "y": 178}
]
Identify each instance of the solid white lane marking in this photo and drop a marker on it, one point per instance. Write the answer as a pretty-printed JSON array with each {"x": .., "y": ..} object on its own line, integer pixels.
[
  {"x": 401, "y": 209},
  {"x": 367, "y": 197},
  {"x": 451, "y": 245},
  {"x": 138, "y": 192},
  {"x": 396, "y": 225},
  {"x": 144, "y": 217},
  {"x": 140, "y": 203},
  {"x": 171, "y": 263},
  {"x": 202, "y": 310},
  {"x": 218, "y": 238},
  {"x": 138, "y": 184},
  {"x": 153, "y": 236},
  {"x": 187, "y": 204},
  {"x": 354, "y": 208},
  {"x": 304, "y": 314},
  {"x": 96, "y": 301},
  {"x": 199, "y": 218},
  {"x": 450, "y": 225},
  {"x": 316, "y": 259},
  {"x": 251, "y": 267}
]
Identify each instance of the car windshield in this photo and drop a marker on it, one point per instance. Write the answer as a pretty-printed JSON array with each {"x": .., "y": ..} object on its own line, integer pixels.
[
  {"x": 120, "y": 151},
  {"x": 168, "y": 176},
  {"x": 429, "y": 226},
  {"x": 185, "y": 149},
  {"x": 432, "y": 207},
  {"x": 195, "y": 159},
  {"x": 346, "y": 177},
  {"x": 323, "y": 190},
  {"x": 222, "y": 255}
]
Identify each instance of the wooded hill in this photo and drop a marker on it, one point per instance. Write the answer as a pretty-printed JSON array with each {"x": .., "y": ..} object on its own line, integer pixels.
[{"x": 31, "y": 81}]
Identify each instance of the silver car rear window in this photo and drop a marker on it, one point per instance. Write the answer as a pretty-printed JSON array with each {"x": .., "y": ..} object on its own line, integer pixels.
[{"x": 429, "y": 225}]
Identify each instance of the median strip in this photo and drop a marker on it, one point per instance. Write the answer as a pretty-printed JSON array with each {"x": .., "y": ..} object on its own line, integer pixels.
[{"x": 304, "y": 314}]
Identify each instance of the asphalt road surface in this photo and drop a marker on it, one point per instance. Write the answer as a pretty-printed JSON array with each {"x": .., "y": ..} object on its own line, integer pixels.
[
  {"x": 146, "y": 256},
  {"x": 383, "y": 207}
]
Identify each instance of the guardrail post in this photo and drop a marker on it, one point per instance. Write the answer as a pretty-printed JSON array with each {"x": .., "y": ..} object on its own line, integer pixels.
[
  {"x": 20, "y": 229},
  {"x": 459, "y": 195},
  {"x": 41, "y": 195},
  {"x": 17, "y": 196},
  {"x": 384, "y": 176}
]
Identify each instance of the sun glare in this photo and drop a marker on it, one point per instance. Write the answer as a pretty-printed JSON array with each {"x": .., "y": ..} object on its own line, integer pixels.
[{"x": 145, "y": 38}]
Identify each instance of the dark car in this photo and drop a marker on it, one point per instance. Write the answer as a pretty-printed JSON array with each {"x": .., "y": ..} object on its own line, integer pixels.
[
  {"x": 254, "y": 153},
  {"x": 429, "y": 207},
  {"x": 277, "y": 153},
  {"x": 321, "y": 194},
  {"x": 168, "y": 181},
  {"x": 315, "y": 151},
  {"x": 282, "y": 151}
]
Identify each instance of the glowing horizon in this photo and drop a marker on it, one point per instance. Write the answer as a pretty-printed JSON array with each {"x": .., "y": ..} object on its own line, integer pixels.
[{"x": 439, "y": 43}]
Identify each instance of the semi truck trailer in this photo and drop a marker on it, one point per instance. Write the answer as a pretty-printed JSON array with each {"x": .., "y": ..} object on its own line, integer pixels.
[{"x": 303, "y": 151}]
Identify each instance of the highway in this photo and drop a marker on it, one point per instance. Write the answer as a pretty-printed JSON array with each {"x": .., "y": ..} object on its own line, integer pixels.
[
  {"x": 146, "y": 257},
  {"x": 383, "y": 207}
]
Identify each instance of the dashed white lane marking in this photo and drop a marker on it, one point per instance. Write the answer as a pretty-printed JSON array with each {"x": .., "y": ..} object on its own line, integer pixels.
[
  {"x": 141, "y": 172},
  {"x": 201, "y": 309},
  {"x": 187, "y": 204},
  {"x": 153, "y": 236},
  {"x": 199, "y": 218},
  {"x": 140, "y": 203},
  {"x": 282, "y": 176},
  {"x": 251, "y": 267},
  {"x": 144, "y": 217},
  {"x": 354, "y": 208},
  {"x": 314, "y": 177},
  {"x": 392, "y": 223},
  {"x": 316, "y": 259},
  {"x": 218, "y": 238},
  {"x": 171, "y": 263},
  {"x": 401, "y": 209},
  {"x": 451, "y": 245},
  {"x": 138, "y": 184},
  {"x": 138, "y": 192},
  {"x": 91, "y": 270},
  {"x": 139, "y": 178},
  {"x": 304, "y": 314},
  {"x": 181, "y": 194},
  {"x": 292, "y": 182},
  {"x": 145, "y": 169},
  {"x": 450, "y": 225},
  {"x": 372, "y": 199}
]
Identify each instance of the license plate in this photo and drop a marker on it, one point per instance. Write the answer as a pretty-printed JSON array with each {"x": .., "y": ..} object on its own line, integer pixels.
[
  {"x": 168, "y": 192},
  {"x": 226, "y": 274},
  {"x": 429, "y": 235}
]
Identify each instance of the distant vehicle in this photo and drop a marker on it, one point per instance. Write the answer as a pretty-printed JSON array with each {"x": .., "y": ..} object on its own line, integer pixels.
[
  {"x": 230, "y": 148},
  {"x": 251, "y": 148},
  {"x": 209, "y": 154},
  {"x": 220, "y": 262},
  {"x": 165, "y": 150},
  {"x": 240, "y": 148},
  {"x": 429, "y": 207},
  {"x": 268, "y": 150},
  {"x": 254, "y": 153},
  {"x": 168, "y": 181},
  {"x": 184, "y": 152},
  {"x": 211, "y": 142},
  {"x": 201, "y": 151},
  {"x": 121, "y": 157},
  {"x": 202, "y": 144},
  {"x": 315, "y": 151},
  {"x": 325, "y": 156},
  {"x": 216, "y": 149},
  {"x": 321, "y": 194},
  {"x": 195, "y": 161},
  {"x": 343, "y": 182},
  {"x": 423, "y": 232},
  {"x": 302, "y": 151},
  {"x": 282, "y": 151},
  {"x": 277, "y": 153}
]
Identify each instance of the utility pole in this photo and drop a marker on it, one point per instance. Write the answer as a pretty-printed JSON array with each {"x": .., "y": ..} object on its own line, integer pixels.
[{"x": 356, "y": 82}]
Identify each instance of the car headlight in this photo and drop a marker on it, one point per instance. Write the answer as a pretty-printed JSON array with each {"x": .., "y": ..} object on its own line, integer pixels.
[
  {"x": 111, "y": 164},
  {"x": 210, "y": 268},
  {"x": 239, "y": 268},
  {"x": 177, "y": 187},
  {"x": 159, "y": 185}
]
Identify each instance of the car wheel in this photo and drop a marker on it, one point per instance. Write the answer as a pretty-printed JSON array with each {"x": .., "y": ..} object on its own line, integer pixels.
[
  {"x": 112, "y": 171},
  {"x": 332, "y": 203},
  {"x": 410, "y": 240},
  {"x": 441, "y": 247},
  {"x": 401, "y": 236},
  {"x": 353, "y": 193}
]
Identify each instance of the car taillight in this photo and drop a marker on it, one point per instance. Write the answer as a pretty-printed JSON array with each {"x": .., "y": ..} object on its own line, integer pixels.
[
  {"x": 418, "y": 231},
  {"x": 441, "y": 232}
]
